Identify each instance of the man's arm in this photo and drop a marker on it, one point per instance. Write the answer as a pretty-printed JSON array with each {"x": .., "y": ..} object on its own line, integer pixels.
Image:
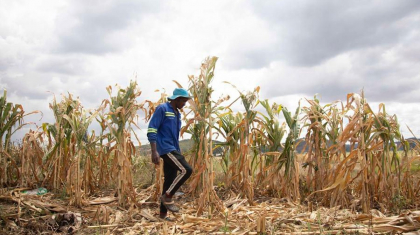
[
  {"x": 154, "y": 125},
  {"x": 155, "y": 154}
]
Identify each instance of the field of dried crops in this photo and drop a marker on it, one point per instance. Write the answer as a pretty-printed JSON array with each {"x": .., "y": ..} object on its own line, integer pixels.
[{"x": 354, "y": 171}]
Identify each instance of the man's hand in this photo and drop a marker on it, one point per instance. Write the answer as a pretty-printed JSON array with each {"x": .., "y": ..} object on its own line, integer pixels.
[
  {"x": 155, "y": 154},
  {"x": 155, "y": 157}
]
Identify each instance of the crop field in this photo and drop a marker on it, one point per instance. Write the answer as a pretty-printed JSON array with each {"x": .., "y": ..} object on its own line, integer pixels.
[{"x": 339, "y": 168}]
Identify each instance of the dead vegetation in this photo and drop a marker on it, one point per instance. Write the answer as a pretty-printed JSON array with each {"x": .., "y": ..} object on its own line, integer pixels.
[
  {"x": 44, "y": 214},
  {"x": 356, "y": 173}
]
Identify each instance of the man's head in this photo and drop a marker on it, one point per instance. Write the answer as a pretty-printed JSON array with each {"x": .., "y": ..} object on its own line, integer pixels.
[{"x": 179, "y": 97}]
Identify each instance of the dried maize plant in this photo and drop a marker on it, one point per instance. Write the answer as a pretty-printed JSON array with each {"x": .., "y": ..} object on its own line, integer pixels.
[
  {"x": 411, "y": 184},
  {"x": 287, "y": 161},
  {"x": 103, "y": 151},
  {"x": 284, "y": 162},
  {"x": 200, "y": 127},
  {"x": 316, "y": 141},
  {"x": 228, "y": 127},
  {"x": 239, "y": 134},
  {"x": 14, "y": 174},
  {"x": 59, "y": 154},
  {"x": 32, "y": 167},
  {"x": 242, "y": 163},
  {"x": 323, "y": 125},
  {"x": 341, "y": 179},
  {"x": 90, "y": 162},
  {"x": 390, "y": 163},
  {"x": 269, "y": 139},
  {"x": 11, "y": 120},
  {"x": 376, "y": 150},
  {"x": 371, "y": 168},
  {"x": 353, "y": 165},
  {"x": 79, "y": 121},
  {"x": 358, "y": 132},
  {"x": 122, "y": 117}
]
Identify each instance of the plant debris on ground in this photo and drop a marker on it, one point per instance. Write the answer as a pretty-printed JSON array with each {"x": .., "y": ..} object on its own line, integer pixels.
[{"x": 48, "y": 214}]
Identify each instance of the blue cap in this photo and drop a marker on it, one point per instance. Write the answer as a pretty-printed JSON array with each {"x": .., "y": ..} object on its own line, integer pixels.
[{"x": 179, "y": 92}]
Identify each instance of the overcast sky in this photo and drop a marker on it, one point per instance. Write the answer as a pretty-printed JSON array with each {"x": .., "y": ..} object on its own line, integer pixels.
[{"x": 292, "y": 49}]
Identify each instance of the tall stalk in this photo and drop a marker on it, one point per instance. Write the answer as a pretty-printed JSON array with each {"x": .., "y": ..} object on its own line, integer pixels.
[
  {"x": 79, "y": 121},
  {"x": 32, "y": 170},
  {"x": 249, "y": 100},
  {"x": 103, "y": 151},
  {"x": 122, "y": 114},
  {"x": 288, "y": 159},
  {"x": 11, "y": 120},
  {"x": 269, "y": 140},
  {"x": 324, "y": 124},
  {"x": 201, "y": 131},
  {"x": 228, "y": 127},
  {"x": 59, "y": 134},
  {"x": 316, "y": 138}
]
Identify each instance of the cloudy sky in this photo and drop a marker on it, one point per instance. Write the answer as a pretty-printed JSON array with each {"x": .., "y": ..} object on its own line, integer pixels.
[{"x": 292, "y": 49}]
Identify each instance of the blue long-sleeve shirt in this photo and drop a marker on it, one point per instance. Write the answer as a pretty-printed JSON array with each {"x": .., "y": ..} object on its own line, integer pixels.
[{"x": 164, "y": 128}]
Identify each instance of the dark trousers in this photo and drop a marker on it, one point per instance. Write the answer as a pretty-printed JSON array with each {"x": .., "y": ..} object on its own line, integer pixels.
[{"x": 173, "y": 163}]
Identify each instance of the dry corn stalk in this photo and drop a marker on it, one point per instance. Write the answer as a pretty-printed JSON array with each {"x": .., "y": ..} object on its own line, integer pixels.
[
  {"x": 11, "y": 120},
  {"x": 201, "y": 131},
  {"x": 123, "y": 116},
  {"x": 31, "y": 159},
  {"x": 370, "y": 168}
]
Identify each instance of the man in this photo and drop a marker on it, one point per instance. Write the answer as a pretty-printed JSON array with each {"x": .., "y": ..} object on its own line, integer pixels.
[{"x": 163, "y": 135}]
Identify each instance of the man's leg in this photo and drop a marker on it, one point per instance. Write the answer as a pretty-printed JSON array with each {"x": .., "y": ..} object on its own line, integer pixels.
[
  {"x": 176, "y": 161},
  {"x": 169, "y": 177}
]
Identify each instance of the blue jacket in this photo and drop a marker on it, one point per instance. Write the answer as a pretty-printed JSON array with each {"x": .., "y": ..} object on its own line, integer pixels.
[{"x": 164, "y": 128}]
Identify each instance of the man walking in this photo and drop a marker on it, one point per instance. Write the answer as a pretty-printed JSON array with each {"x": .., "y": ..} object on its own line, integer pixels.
[{"x": 163, "y": 135}]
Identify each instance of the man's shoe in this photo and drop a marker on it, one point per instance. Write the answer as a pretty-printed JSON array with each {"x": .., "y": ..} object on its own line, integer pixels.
[{"x": 169, "y": 203}]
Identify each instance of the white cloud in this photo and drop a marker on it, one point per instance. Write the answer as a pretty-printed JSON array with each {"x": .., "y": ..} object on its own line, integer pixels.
[{"x": 291, "y": 49}]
